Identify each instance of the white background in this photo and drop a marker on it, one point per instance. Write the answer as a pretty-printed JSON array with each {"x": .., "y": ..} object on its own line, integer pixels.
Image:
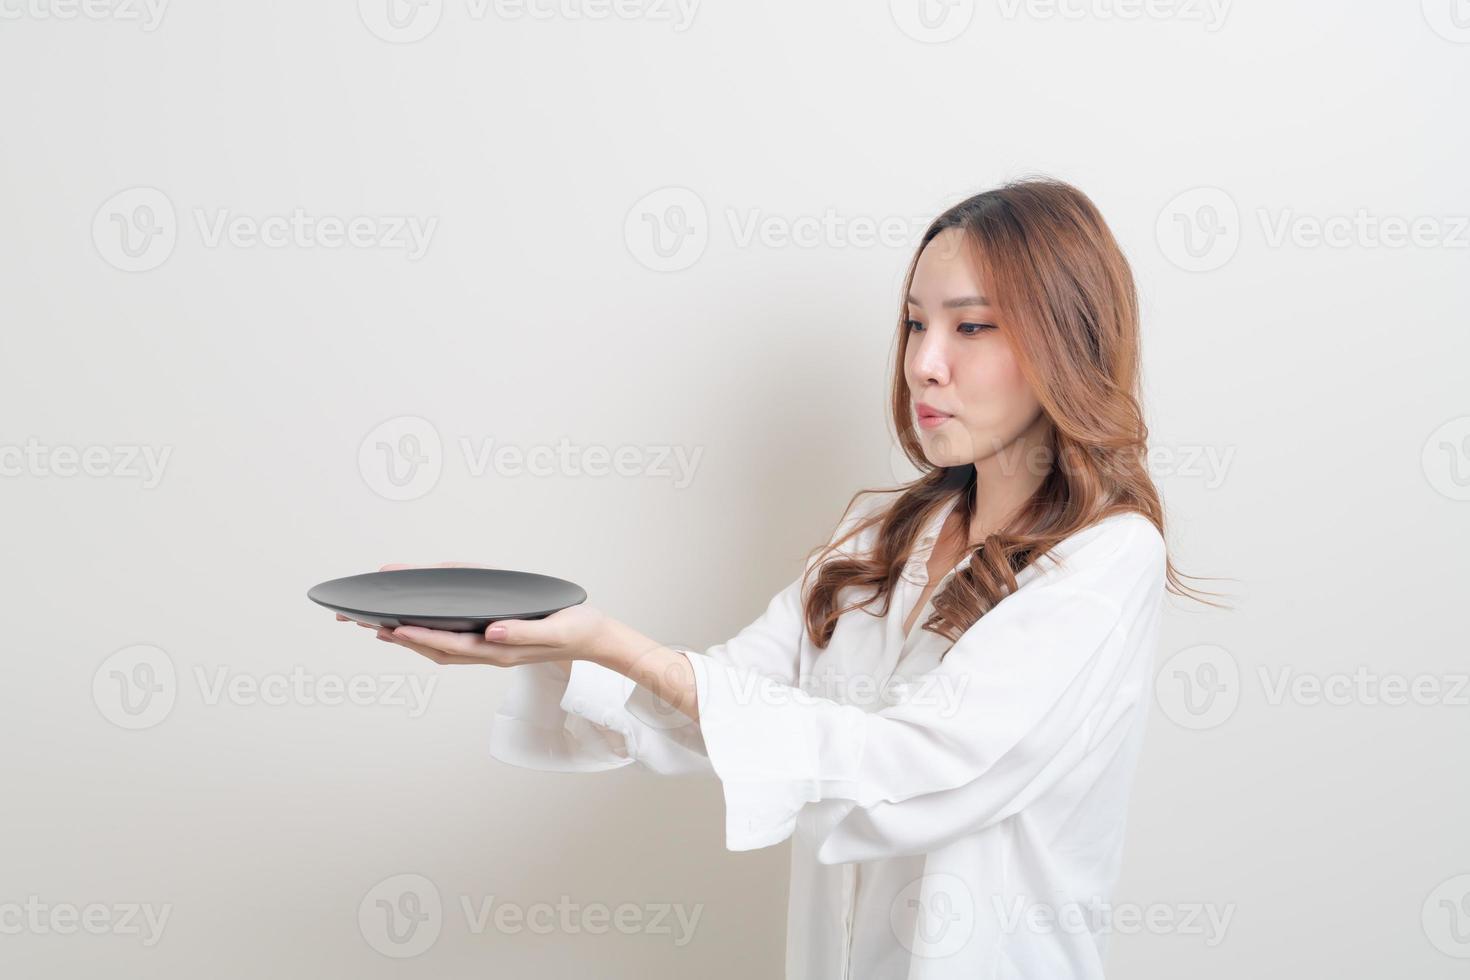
[{"x": 1307, "y": 403}]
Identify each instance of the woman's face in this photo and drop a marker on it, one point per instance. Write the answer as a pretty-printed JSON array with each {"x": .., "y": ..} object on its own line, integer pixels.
[{"x": 959, "y": 363}]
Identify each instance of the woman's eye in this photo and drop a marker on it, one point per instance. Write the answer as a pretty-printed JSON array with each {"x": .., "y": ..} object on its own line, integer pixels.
[{"x": 968, "y": 329}]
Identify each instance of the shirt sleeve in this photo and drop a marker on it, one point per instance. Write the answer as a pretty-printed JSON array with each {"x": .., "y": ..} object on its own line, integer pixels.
[
  {"x": 599, "y": 719},
  {"x": 1020, "y": 699}
]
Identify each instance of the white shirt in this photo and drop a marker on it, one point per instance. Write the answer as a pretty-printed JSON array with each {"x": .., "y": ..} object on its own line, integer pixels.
[{"x": 949, "y": 819}]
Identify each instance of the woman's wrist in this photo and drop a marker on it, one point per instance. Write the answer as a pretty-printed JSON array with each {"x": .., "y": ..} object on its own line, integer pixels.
[
  {"x": 609, "y": 646},
  {"x": 665, "y": 672}
]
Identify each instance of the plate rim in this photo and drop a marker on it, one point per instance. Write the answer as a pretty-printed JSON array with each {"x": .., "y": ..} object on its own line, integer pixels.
[{"x": 335, "y": 607}]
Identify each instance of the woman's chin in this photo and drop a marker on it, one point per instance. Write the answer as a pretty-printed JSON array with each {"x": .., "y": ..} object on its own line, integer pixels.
[{"x": 944, "y": 447}]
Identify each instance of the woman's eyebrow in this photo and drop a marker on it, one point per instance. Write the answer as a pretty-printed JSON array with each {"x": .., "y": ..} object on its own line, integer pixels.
[{"x": 954, "y": 304}]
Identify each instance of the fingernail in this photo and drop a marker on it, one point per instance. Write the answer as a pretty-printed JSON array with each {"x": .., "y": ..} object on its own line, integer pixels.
[{"x": 495, "y": 633}]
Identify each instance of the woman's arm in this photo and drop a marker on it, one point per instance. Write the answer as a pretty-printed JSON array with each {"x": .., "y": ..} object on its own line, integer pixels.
[
  {"x": 666, "y": 673},
  {"x": 574, "y": 704},
  {"x": 1047, "y": 680}
]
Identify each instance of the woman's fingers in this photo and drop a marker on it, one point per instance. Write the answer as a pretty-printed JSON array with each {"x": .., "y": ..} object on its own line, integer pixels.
[
  {"x": 438, "y": 656},
  {"x": 464, "y": 644},
  {"x": 465, "y": 647},
  {"x": 395, "y": 566}
]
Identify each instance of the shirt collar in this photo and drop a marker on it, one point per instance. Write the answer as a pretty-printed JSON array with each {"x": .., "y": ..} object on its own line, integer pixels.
[
  {"x": 936, "y": 521},
  {"x": 924, "y": 544}
]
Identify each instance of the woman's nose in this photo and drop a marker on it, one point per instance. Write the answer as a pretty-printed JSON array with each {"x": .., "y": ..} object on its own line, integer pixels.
[{"x": 930, "y": 362}]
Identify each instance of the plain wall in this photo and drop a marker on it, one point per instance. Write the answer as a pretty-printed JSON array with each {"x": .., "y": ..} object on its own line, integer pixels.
[{"x": 1307, "y": 404}]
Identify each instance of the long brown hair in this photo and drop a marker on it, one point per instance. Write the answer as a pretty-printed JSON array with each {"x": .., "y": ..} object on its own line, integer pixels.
[{"x": 1057, "y": 276}]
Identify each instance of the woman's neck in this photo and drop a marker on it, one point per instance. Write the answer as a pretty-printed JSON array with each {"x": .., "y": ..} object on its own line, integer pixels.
[{"x": 1009, "y": 477}]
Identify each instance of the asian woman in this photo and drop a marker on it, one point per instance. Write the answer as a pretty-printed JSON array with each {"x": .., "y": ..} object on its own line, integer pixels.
[{"x": 944, "y": 711}]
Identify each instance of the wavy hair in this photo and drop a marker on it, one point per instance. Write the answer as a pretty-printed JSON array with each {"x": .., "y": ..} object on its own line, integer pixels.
[{"x": 1070, "y": 309}]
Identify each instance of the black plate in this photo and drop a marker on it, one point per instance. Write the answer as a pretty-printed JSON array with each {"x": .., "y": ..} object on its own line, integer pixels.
[{"x": 460, "y": 600}]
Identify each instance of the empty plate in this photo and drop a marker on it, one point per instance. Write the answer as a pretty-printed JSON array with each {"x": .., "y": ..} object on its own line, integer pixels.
[{"x": 460, "y": 600}]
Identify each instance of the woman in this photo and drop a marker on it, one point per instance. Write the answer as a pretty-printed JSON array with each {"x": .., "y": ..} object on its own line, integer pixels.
[{"x": 944, "y": 711}]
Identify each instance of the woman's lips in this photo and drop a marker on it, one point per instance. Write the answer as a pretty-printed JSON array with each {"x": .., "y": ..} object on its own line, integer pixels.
[{"x": 929, "y": 418}]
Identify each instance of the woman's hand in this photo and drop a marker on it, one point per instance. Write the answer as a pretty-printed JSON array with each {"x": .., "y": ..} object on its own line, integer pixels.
[{"x": 574, "y": 633}]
